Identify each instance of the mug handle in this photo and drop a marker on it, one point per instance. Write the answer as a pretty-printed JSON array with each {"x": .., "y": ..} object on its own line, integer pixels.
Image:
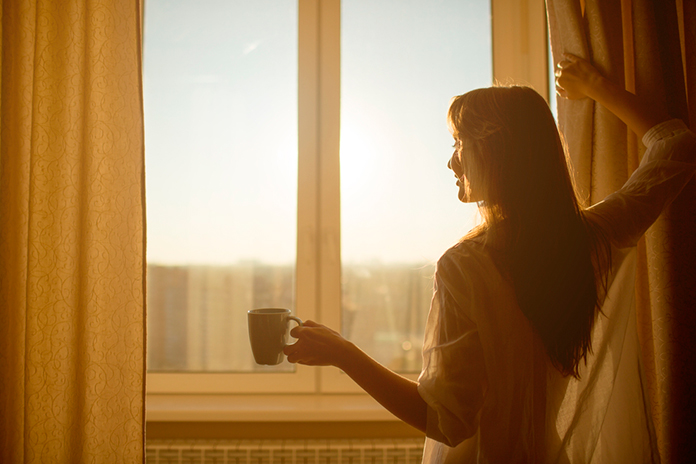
[{"x": 296, "y": 319}]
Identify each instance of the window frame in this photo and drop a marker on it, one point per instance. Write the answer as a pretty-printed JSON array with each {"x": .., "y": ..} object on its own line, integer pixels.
[{"x": 520, "y": 56}]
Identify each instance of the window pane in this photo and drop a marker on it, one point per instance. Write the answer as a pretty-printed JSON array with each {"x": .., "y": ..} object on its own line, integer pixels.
[
  {"x": 401, "y": 62},
  {"x": 220, "y": 85}
]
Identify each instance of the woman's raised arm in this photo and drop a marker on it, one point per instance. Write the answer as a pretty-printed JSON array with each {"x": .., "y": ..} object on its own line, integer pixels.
[
  {"x": 576, "y": 78},
  {"x": 665, "y": 168}
]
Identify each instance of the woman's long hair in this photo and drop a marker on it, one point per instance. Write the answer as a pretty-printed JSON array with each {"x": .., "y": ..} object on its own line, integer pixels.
[{"x": 539, "y": 237}]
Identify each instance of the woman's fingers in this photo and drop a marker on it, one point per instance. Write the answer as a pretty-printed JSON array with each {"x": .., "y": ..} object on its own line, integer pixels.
[
  {"x": 316, "y": 345},
  {"x": 572, "y": 74},
  {"x": 293, "y": 357},
  {"x": 296, "y": 331},
  {"x": 294, "y": 351},
  {"x": 562, "y": 65},
  {"x": 568, "y": 59}
]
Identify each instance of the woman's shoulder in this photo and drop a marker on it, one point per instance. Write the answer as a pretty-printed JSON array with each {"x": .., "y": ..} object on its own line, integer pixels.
[
  {"x": 467, "y": 274},
  {"x": 464, "y": 249},
  {"x": 469, "y": 256}
]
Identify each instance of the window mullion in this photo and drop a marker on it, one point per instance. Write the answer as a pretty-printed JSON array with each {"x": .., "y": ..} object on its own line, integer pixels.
[
  {"x": 307, "y": 271},
  {"x": 329, "y": 172},
  {"x": 329, "y": 175}
]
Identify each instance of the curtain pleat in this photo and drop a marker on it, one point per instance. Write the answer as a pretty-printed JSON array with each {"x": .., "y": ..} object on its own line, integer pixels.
[{"x": 72, "y": 324}]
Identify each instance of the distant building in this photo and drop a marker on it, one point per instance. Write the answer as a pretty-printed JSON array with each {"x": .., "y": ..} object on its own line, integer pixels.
[{"x": 197, "y": 314}]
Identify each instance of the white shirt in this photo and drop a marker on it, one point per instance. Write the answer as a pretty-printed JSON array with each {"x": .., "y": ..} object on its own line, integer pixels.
[{"x": 492, "y": 393}]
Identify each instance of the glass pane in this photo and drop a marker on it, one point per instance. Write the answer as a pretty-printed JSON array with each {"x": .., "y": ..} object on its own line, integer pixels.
[
  {"x": 401, "y": 64},
  {"x": 220, "y": 89}
]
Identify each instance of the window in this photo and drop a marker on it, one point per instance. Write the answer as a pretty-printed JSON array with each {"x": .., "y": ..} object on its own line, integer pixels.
[
  {"x": 221, "y": 121},
  {"x": 254, "y": 200}
]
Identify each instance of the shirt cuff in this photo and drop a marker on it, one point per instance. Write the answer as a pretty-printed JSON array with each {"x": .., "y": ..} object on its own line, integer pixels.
[{"x": 663, "y": 130}]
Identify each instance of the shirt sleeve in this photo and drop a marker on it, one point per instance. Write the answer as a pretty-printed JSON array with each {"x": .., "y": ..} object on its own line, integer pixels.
[
  {"x": 453, "y": 379},
  {"x": 667, "y": 166}
]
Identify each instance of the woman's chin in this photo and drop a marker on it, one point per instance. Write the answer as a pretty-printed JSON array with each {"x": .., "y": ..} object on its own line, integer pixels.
[{"x": 466, "y": 197}]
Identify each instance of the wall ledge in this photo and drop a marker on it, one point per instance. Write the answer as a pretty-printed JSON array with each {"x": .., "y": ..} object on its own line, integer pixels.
[{"x": 265, "y": 408}]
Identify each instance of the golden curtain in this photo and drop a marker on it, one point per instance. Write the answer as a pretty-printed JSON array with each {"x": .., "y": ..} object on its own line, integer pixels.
[
  {"x": 650, "y": 46},
  {"x": 72, "y": 243}
]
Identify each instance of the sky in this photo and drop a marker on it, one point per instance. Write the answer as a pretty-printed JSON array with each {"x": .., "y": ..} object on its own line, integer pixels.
[{"x": 220, "y": 90}]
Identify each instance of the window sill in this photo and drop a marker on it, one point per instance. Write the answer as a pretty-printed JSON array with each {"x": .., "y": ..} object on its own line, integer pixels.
[{"x": 265, "y": 408}]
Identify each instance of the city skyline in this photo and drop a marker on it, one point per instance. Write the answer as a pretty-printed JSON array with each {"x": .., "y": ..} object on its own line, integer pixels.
[{"x": 197, "y": 314}]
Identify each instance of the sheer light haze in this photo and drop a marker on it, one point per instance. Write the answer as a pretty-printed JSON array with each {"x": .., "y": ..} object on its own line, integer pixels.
[{"x": 220, "y": 85}]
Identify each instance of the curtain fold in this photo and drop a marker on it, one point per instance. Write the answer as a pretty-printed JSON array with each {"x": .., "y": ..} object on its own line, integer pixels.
[
  {"x": 649, "y": 46},
  {"x": 72, "y": 318}
]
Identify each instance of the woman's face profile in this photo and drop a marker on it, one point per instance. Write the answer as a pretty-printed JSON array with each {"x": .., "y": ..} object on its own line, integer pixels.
[{"x": 466, "y": 194}]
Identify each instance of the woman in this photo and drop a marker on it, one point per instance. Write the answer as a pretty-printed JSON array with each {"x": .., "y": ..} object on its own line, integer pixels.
[{"x": 530, "y": 354}]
